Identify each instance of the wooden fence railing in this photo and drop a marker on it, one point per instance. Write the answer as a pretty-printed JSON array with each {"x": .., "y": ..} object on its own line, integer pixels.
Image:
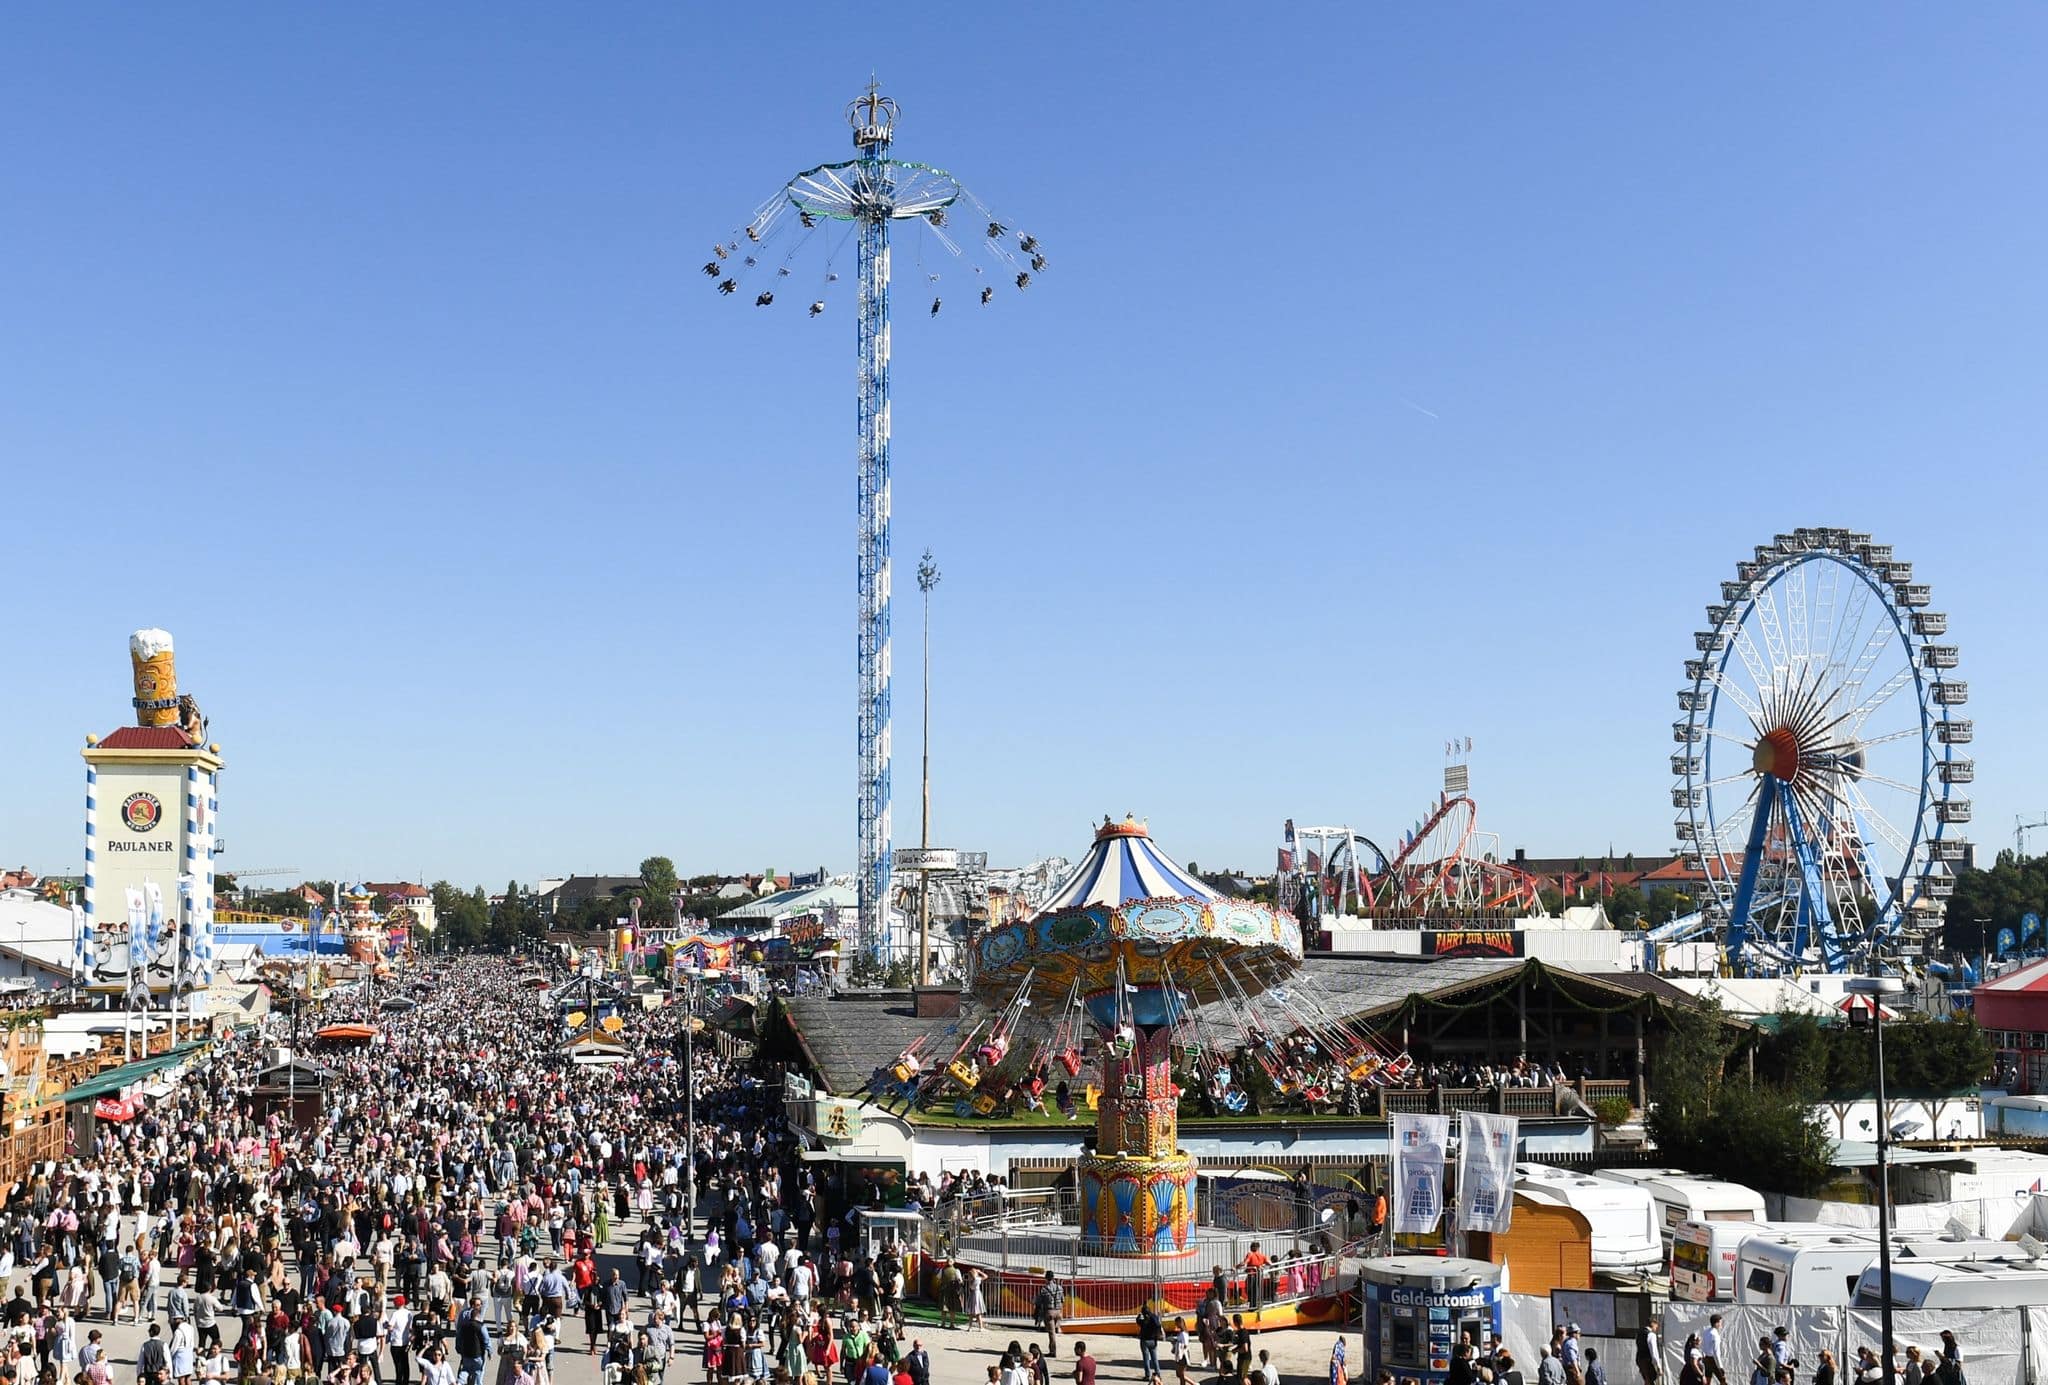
[{"x": 1508, "y": 1101}]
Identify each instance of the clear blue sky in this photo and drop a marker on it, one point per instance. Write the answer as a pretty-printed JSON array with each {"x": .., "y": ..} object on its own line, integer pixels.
[{"x": 1403, "y": 371}]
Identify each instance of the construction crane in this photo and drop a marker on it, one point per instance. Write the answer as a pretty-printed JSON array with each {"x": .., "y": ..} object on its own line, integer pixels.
[
  {"x": 2022, "y": 826},
  {"x": 240, "y": 875}
]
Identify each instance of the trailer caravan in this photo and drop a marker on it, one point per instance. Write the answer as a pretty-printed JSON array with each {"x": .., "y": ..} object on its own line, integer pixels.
[
  {"x": 1820, "y": 1267},
  {"x": 1682, "y": 1197},
  {"x": 1623, "y": 1218},
  {"x": 1937, "y": 1285},
  {"x": 1803, "y": 1270},
  {"x": 1703, "y": 1257}
]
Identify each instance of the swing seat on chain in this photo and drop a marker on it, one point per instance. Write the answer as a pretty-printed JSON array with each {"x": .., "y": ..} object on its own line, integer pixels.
[
  {"x": 984, "y": 1104},
  {"x": 1071, "y": 1061},
  {"x": 963, "y": 1072}
]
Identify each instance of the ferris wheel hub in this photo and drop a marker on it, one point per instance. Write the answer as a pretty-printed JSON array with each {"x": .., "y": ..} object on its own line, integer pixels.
[{"x": 1777, "y": 754}]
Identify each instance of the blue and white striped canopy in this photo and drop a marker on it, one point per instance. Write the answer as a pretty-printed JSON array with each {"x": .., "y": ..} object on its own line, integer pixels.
[{"x": 1124, "y": 865}]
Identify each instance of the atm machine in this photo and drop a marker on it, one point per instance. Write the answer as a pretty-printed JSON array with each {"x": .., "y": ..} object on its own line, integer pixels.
[{"x": 1418, "y": 1307}]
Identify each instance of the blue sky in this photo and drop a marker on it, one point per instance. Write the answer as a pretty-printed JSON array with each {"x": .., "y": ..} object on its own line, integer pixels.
[{"x": 1402, "y": 372}]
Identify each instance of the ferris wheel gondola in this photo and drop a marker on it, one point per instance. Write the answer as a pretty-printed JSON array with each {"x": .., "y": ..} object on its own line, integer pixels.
[{"x": 1817, "y": 758}]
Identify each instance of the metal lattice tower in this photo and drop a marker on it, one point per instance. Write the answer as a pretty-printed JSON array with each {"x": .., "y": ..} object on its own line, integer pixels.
[
  {"x": 874, "y": 121},
  {"x": 866, "y": 197}
]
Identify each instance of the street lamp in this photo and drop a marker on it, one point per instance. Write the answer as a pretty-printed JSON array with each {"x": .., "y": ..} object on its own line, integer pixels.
[
  {"x": 927, "y": 578},
  {"x": 1879, "y": 989},
  {"x": 691, "y": 976}
]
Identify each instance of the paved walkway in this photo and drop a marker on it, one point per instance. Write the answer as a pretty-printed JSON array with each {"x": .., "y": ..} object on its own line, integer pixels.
[{"x": 959, "y": 1357}]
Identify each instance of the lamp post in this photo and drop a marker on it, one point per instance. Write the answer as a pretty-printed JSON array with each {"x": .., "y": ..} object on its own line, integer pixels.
[
  {"x": 691, "y": 976},
  {"x": 927, "y": 578},
  {"x": 1878, "y": 989}
]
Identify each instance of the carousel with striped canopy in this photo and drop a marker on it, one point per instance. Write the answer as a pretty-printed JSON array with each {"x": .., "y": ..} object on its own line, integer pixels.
[{"x": 1135, "y": 948}]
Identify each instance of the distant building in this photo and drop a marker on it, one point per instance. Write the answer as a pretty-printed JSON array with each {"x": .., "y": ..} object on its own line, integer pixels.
[
  {"x": 35, "y": 939},
  {"x": 1595, "y": 877},
  {"x": 2013, "y": 1010},
  {"x": 405, "y": 895},
  {"x": 569, "y": 899}
]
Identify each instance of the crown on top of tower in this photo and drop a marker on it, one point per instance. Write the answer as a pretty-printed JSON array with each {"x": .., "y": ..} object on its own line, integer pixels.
[
  {"x": 873, "y": 117},
  {"x": 1129, "y": 827}
]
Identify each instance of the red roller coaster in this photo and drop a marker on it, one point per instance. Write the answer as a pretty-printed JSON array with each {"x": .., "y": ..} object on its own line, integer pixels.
[{"x": 1445, "y": 868}]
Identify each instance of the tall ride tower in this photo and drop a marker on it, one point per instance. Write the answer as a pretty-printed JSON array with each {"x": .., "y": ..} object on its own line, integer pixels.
[
  {"x": 873, "y": 118},
  {"x": 864, "y": 199}
]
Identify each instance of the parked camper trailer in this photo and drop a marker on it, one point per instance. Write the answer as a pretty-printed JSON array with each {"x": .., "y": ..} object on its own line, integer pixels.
[
  {"x": 1682, "y": 1197},
  {"x": 1623, "y": 1219},
  {"x": 1703, "y": 1256},
  {"x": 1807, "y": 1268},
  {"x": 1941, "y": 1285},
  {"x": 1812, "y": 1266}
]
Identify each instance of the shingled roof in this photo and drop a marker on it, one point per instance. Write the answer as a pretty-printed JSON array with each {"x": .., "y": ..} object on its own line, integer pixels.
[{"x": 843, "y": 1038}]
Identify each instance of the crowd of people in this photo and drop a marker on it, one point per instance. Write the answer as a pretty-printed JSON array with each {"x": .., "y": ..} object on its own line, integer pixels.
[
  {"x": 444, "y": 1217},
  {"x": 461, "y": 1205}
]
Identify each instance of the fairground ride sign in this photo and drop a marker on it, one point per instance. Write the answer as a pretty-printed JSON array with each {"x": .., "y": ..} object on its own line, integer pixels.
[
  {"x": 927, "y": 858},
  {"x": 1474, "y": 942}
]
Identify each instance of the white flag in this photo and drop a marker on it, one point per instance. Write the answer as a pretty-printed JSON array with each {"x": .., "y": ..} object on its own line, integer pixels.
[
  {"x": 1486, "y": 1171},
  {"x": 1419, "y": 1143}
]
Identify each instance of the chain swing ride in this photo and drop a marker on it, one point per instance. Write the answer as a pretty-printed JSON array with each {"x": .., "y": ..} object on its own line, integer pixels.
[{"x": 797, "y": 240}]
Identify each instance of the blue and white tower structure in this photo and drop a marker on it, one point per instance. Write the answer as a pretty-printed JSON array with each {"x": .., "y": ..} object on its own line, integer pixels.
[
  {"x": 872, "y": 199},
  {"x": 152, "y": 795},
  {"x": 1821, "y": 760}
]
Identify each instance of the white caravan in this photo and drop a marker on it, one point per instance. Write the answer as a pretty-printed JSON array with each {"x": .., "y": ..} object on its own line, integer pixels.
[
  {"x": 1683, "y": 1197},
  {"x": 1623, "y": 1218},
  {"x": 1937, "y": 1285}
]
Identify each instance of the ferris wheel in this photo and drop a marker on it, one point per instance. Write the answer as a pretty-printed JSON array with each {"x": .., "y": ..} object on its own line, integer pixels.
[{"x": 1817, "y": 758}]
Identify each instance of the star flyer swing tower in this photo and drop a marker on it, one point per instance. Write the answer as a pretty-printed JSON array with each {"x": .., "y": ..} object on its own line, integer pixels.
[{"x": 863, "y": 198}]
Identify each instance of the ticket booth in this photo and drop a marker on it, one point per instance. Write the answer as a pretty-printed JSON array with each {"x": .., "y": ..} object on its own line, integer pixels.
[
  {"x": 1418, "y": 1307},
  {"x": 877, "y": 1228}
]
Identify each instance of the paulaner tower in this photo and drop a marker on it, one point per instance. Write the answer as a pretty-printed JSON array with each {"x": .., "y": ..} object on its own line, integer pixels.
[{"x": 145, "y": 921}]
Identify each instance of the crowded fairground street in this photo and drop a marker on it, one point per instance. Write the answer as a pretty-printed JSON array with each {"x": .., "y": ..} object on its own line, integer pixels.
[
  {"x": 460, "y": 1202},
  {"x": 1416, "y": 814}
]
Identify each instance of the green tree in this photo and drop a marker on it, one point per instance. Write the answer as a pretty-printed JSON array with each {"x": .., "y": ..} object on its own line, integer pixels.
[
  {"x": 1820, "y": 1061},
  {"x": 1687, "y": 1063},
  {"x": 1625, "y": 907},
  {"x": 1986, "y": 901},
  {"x": 461, "y": 919},
  {"x": 1796, "y": 1057},
  {"x": 1762, "y": 1134},
  {"x": 1551, "y": 900},
  {"x": 509, "y": 920},
  {"x": 1763, "y": 1138},
  {"x": 658, "y": 897},
  {"x": 285, "y": 903}
]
